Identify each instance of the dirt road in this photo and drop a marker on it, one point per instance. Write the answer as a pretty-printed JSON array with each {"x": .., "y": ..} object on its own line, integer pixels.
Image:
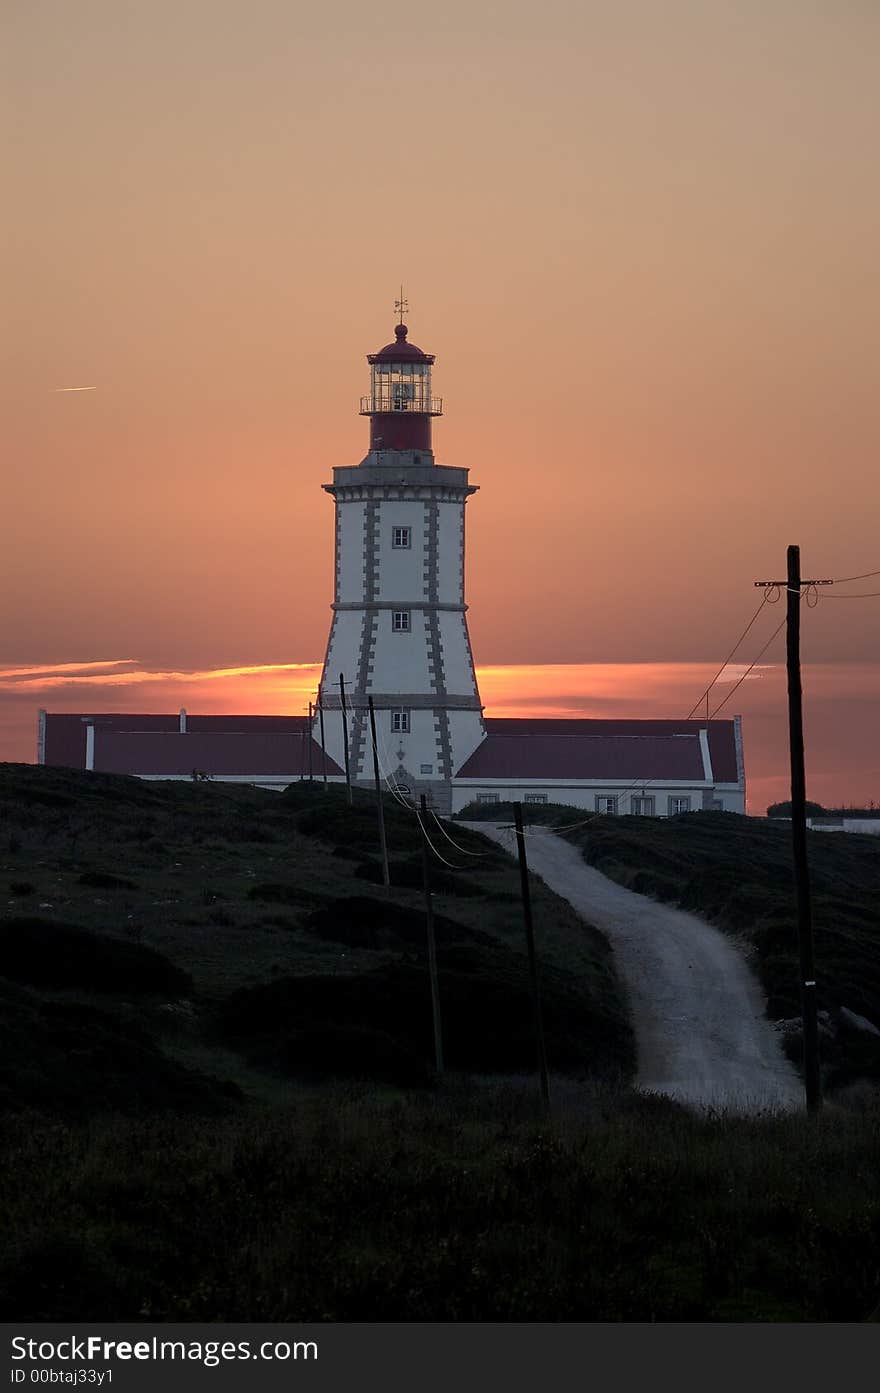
[{"x": 697, "y": 1008}]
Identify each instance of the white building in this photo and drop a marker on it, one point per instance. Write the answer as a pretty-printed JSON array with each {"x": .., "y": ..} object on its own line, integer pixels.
[{"x": 399, "y": 640}]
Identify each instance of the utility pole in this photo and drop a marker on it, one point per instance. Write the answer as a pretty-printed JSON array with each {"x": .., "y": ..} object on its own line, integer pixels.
[
  {"x": 323, "y": 746},
  {"x": 380, "y": 807},
  {"x": 794, "y": 588},
  {"x": 310, "y": 743},
  {"x": 345, "y": 736},
  {"x": 432, "y": 947},
  {"x": 533, "y": 961}
]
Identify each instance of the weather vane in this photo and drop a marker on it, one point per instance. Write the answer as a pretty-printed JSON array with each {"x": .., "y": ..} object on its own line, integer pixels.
[{"x": 401, "y": 306}]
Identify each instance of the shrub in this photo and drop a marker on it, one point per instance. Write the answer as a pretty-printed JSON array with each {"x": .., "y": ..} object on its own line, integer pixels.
[
  {"x": 283, "y": 892},
  {"x": 485, "y": 1005},
  {"x": 71, "y": 1059},
  {"x": 44, "y": 953},
  {"x": 321, "y": 1052},
  {"x": 408, "y": 875},
  {"x": 103, "y": 880},
  {"x": 362, "y": 922}
]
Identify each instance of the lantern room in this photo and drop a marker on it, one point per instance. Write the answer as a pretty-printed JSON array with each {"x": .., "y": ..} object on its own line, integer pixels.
[{"x": 400, "y": 405}]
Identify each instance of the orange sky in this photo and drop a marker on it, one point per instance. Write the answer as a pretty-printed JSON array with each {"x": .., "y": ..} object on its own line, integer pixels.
[{"x": 640, "y": 238}]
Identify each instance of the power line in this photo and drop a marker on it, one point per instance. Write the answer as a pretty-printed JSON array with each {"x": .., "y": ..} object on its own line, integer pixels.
[
  {"x": 866, "y": 575},
  {"x": 866, "y": 595},
  {"x": 479, "y": 855},
  {"x": 777, "y": 630},
  {"x": 764, "y": 600},
  {"x": 450, "y": 864}
]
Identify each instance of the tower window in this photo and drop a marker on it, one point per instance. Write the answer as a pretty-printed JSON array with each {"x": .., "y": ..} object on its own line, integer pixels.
[
  {"x": 401, "y": 536},
  {"x": 400, "y": 621},
  {"x": 679, "y": 805},
  {"x": 399, "y": 721}
]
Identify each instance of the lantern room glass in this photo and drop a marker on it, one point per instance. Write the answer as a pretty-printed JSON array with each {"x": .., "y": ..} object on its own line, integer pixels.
[{"x": 401, "y": 387}]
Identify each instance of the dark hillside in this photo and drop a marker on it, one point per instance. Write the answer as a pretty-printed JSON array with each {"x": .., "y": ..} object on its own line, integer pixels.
[{"x": 168, "y": 904}]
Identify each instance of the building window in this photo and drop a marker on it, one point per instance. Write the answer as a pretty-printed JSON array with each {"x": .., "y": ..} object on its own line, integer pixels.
[
  {"x": 535, "y": 798},
  {"x": 642, "y": 806},
  {"x": 399, "y": 721},
  {"x": 606, "y": 804},
  {"x": 401, "y": 536},
  {"x": 426, "y": 768},
  {"x": 679, "y": 805},
  {"x": 488, "y": 798},
  {"x": 400, "y": 621}
]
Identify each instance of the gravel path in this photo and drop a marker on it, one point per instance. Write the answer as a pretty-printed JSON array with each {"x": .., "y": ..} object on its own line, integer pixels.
[{"x": 697, "y": 1009}]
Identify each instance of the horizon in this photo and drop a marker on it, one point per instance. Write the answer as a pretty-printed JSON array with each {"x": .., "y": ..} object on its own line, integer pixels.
[{"x": 600, "y": 691}]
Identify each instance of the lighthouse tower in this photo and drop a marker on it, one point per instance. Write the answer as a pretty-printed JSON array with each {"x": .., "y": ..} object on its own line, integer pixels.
[{"x": 399, "y": 632}]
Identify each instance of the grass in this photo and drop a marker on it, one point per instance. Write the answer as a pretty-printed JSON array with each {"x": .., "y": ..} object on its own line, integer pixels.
[{"x": 354, "y": 1205}]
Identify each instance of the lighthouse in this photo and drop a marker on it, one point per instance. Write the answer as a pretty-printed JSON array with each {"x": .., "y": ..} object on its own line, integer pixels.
[{"x": 399, "y": 628}]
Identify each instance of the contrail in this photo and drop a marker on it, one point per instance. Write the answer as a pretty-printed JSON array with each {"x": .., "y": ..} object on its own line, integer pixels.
[{"x": 74, "y": 389}]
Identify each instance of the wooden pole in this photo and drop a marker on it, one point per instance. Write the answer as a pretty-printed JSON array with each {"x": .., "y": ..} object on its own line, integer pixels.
[
  {"x": 323, "y": 745},
  {"x": 432, "y": 947},
  {"x": 533, "y": 961},
  {"x": 345, "y": 737},
  {"x": 302, "y": 753},
  {"x": 799, "y": 833},
  {"x": 311, "y": 742},
  {"x": 380, "y": 807}
]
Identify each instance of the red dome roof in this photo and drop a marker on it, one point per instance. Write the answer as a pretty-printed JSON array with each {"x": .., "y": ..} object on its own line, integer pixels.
[{"x": 400, "y": 351}]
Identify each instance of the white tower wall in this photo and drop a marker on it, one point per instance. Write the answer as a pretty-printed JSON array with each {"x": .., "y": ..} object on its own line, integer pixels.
[
  {"x": 421, "y": 677},
  {"x": 349, "y": 551}
]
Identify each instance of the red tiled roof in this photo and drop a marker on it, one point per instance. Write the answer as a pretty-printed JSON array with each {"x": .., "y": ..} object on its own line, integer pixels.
[
  {"x": 217, "y": 752},
  {"x": 585, "y": 757},
  {"x": 597, "y": 749},
  {"x": 528, "y": 748},
  {"x": 66, "y": 731}
]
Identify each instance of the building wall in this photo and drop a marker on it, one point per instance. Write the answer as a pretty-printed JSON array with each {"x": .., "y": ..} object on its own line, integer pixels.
[
  {"x": 584, "y": 794},
  {"x": 350, "y": 552},
  {"x": 867, "y": 826},
  {"x": 467, "y": 731},
  {"x": 450, "y": 532},
  {"x": 400, "y": 569}
]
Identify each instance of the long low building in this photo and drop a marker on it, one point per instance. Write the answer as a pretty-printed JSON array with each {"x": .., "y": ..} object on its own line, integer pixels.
[
  {"x": 653, "y": 768},
  {"x": 268, "y": 751}
]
